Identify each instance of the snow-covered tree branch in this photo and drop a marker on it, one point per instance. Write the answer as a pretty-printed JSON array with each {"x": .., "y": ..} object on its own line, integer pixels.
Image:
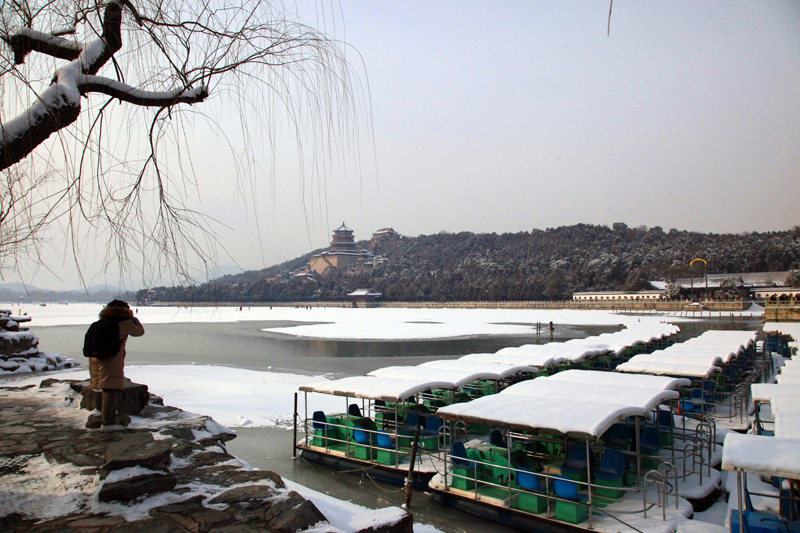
[{"x": 96, "y": 97}]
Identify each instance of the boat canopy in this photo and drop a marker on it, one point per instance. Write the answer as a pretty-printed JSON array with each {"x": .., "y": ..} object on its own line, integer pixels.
[
  {"x": 621, "y": 380},
  {"x": 553, "y": 353},
  {"x": 699, "y": 357},
  {"x": 788, "y": 328},
  {"x": 644, "y": 399},
  {"x": 792, "y": 366},
  {"x": 454, "y": 378},
  {"x": 477, "y": 366},
  {"x": 669, "y": 369},
  {"x": 573, "y": 405},
  {"x": 745, "y": 453},
  {"x": 537, "y": 360},
  {"x": 763, "y": 392},
  {"x": 376, "y": 388},
  {"x": 789, "y": 374},
  {"x": 786, "y": 411}
]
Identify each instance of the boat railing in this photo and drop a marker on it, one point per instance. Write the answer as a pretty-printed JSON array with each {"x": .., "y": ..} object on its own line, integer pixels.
[
  {"x": 506, "y": 487},
  {"x": 345, "y": 440},
  {"x": 658, "y": 479},
  {"x": 460, "y": 430},
  {"x": 668, "y": 470},
  {"x": 693, "y": 454},
  {"x": 787, "y": 516}
]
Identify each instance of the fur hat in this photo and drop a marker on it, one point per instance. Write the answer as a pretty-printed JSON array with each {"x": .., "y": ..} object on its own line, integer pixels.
[{"x": 116, "y": 309}]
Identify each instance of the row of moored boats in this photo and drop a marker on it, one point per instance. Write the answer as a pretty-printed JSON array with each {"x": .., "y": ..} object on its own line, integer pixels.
[{"x": 617, "y": 432}]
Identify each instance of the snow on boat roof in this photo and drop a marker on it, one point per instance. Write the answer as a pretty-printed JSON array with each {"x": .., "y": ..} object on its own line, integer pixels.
[
  {"x": 763, "y": 392},
  {"x": 745, "y": 453},
  {"x": 785, "y": 404},
  {"x": 786, "y": 411},
  {"x": 661, "y": 356},
  {"x": 581, "y": 403},
  {"x": 375, "y": 388},
  {"x": 621, "y": 380},
  {"x": 643, "y": 398},
  {"x": 453, "y": 378},
  {"x": 697, "y": 357},
  {"x": 540, "y": 360},
  {"x": 523, "y": 413},
  {"x": 784, "y": 401},
  {"x": 789, "y": 369},
  {"x": 668, "y": 369},
  {"x": 788, "y": 426},
  {"x": 788, "y": 328},
  {"x": 503, "y": 370},
  {"x": 578, "y": 349},
  {"x": 559, "y": 351}
]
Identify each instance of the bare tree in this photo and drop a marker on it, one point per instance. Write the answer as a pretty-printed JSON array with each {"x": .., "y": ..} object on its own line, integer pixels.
[{"x": 83, "y": 82}]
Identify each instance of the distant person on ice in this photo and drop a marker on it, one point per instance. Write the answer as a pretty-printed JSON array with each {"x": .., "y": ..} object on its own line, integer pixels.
[{"x": 108, "y": 374}]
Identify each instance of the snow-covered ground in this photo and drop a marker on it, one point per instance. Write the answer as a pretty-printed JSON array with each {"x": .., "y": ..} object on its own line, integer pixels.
[{"x": 233, "y": 397}]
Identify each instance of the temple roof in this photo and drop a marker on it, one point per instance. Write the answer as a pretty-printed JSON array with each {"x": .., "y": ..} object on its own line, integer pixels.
[{"x": 343, "y": 228}]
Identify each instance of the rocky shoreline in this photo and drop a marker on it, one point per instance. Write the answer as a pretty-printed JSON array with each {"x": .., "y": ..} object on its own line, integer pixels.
[{"x": 169, "y": 471}]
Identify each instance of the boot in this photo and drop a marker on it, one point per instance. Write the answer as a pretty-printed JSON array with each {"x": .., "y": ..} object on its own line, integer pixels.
[{"x": 109, "y": 408}]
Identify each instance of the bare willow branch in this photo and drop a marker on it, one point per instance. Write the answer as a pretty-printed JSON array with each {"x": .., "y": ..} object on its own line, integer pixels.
[{"x": 94, "y": 121}]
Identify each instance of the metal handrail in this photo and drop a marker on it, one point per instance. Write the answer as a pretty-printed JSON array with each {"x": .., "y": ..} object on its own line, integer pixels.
[
  {"x": 658, "y": 479},
  {"x": 550, "y": 496},
  {"x": 670, "y": 468}
]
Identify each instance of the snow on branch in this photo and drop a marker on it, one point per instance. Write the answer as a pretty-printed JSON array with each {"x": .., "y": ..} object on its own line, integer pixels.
[
  {"x": 126, "y": 93},
  {"x": 59, "y": 105},
  {"x": 26, "y": 40}
]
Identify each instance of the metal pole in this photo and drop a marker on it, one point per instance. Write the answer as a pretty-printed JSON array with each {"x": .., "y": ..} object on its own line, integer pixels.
[
  {"x": 409, "y": 479},
  {"x": 294, "y": 432},
  {"x": 638, "y": 452},
  {"x": 741, "y": 511},
  {"x": 589, "y": 480}
]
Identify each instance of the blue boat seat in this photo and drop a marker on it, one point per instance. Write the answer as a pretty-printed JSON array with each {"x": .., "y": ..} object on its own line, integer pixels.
[
  {"x": 386, "y": 453},
  {"x": 360, "y": 436},
  {"x": 432, "y": 425},
  {"x": 410, "y": 423},
  {"x": 528, "y": 480},
  {"x": 610, "y": 477},
  {"x": 576, "y": 463},
  {"x": 384, "y": 440},
  {"x": 458, "y": 454},
  {"x": 496, "y": 439},
  {"x": 612, "y": 465},
  {"x": 321, "y": 429},
  {"x": 363, "y": 431},
  {"x": 574, "y": 510},
  {"x": 464, "y": 470},
  {"x": 664, "y": 420},
  {"x": 650, "y": 441},
  {"x": 763, "y": 522},
  {"x": 567, "y": 489},
  {"x": 617, "y": 436},
  {"x": 320, "y": 421}
]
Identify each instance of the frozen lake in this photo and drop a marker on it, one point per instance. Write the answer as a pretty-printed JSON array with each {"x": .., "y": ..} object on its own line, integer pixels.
[{"x": 207, "y": 339}]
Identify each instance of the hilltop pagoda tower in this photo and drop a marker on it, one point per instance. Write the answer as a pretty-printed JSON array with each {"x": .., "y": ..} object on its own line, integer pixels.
[
  {"x": 343, "y": 240},
  {"x": 342, "y": 252}
]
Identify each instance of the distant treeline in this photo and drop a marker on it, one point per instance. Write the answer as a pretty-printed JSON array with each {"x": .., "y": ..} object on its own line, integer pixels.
[
  {"x": 546, "y": 264},
  {"x": 27, "y": 295}
]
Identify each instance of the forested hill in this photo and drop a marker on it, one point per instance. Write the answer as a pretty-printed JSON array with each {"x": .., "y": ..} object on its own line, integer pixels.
[{"x": 538, "y": 265}]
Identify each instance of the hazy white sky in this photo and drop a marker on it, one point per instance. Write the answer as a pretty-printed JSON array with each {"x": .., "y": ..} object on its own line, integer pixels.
[{"x": 513, "y": 115}]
